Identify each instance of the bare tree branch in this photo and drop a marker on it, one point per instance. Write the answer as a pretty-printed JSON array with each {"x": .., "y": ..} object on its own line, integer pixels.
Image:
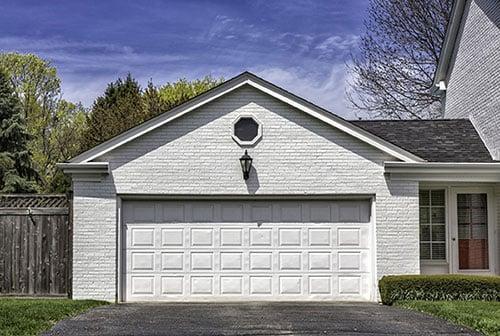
[{"x": 399, "y": 50}]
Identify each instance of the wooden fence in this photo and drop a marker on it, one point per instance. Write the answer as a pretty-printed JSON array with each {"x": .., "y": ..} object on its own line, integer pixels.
[{"x": 35, "y": 245}]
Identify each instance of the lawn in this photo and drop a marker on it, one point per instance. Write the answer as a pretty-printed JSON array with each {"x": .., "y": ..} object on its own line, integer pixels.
[
  {"x": 479, "y": 315},
  {"x": 32, "y": 316}
]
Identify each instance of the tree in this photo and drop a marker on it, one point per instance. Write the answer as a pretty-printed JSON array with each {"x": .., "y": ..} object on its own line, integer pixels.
[
  {"x": 120, "y": 108},
  {"x": 64, "y": 143},
  {"x": 16, "y": 172},
  {"x": 174, "y": 94},
  {"x": 124, "y": 105},
  {"x": 399, "y": 51},
  {"x": 37, "y": 87},
  {"x": 153, "y": 102}
]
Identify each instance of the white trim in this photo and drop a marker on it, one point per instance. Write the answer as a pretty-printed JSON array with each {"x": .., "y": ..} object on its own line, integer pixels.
[
  {"x": 257, "y": 138},
  {"x": 247, "y": 78},
  {"x": 492, "y": 223},
  {"x": 443, "y": 172},
  {"x": 448, "y": 47},
  {"x": 373, "y": 248},
  {"x": 88, "y": 171},
  {"x": 119, "y": 246}
]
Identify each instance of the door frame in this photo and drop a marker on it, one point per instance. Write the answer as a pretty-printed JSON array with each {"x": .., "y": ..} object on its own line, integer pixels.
[{"x": 453, "y": 229}]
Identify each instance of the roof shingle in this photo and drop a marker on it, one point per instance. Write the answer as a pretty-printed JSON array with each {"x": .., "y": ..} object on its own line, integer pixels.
[{"x": 440, "y": 140}]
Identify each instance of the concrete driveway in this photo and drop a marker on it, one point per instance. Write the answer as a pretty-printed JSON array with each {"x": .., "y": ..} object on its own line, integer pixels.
[{"x": 254, "y": 319}]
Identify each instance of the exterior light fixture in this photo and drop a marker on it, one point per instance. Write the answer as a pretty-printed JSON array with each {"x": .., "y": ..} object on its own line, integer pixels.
[{"x": 246, "y": 165}]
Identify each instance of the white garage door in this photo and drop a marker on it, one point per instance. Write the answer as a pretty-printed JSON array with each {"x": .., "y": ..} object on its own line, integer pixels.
[{"x": 247, "y": 250}]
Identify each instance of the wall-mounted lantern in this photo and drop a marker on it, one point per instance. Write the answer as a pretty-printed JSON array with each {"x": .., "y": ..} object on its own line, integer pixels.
[{"x": 246, "y": 165}]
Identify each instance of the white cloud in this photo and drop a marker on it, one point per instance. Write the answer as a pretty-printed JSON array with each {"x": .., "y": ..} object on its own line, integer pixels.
[
  {"x": 327, "y": 91},
  {"x": 87, "y": 55}
]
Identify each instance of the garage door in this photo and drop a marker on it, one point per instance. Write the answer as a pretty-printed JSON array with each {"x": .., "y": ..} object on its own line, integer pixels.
[{"x": 246, "y": 250}]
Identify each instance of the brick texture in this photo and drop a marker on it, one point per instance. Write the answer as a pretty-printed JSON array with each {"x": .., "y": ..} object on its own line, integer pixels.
[
  {"x": 195, "y": 155},
  {"x": 473, "y": 84}
]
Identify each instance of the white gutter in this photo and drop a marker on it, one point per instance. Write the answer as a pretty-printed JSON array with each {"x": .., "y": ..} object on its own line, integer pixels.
[{"x": 443, "y": 171}]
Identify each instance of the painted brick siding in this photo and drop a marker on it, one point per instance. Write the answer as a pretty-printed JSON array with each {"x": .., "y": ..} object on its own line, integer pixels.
[
  {"x": 473, "y": 86},
  {"x": 94, "y": 240},
  {"x": 297, "y": 155}
]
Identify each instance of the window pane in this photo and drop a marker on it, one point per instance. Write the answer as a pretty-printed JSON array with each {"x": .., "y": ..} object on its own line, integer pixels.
[
  {"x": 479, "y": 216},
  {"x": 463, "y": 231},
  {"x": 438, "y": 233},
  {"x": 463, "y": 215},
  {"x": 479, "y": 231},
  {"x": 246, "y": 129},
  {"x": 437, "y": 197},
  {"x": 463, "y": 200},
  {"x": 425, "y": 250},
  {"x": 477, "y": 200},
  {"x": 424, "y": 197},
  {"x": 438, "y": 215},
  {"x": 438, "y": 251},
  {"x": 424, "y": 215},
  {"x": 425, "y": 233}
]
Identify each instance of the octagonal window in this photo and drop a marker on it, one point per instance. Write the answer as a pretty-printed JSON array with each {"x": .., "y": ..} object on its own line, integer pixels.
[{"x": 246, "y": 130}]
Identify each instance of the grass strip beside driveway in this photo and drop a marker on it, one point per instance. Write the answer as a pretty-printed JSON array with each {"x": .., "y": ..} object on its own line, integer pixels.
[
  {"x": 483, "y": 316},
  {"x": 32, "y": 316}
]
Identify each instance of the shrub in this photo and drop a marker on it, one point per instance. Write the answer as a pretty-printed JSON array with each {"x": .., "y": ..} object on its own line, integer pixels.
[{"x": 439, "y": 287}]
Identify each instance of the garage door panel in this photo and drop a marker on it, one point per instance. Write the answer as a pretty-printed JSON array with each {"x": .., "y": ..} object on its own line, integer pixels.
[
  {"x": 231, "y": 237},
  {"x": 173, "y": 212},
  {"x": 246, "y": 250},
  {"x": 261, "y": 213},
  {"x": 352, "y": 236},
  {"x": 172, "y": 237},
  {"x": 320, "y": 237}
]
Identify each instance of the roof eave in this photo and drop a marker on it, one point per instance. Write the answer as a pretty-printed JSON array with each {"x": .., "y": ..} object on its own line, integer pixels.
[
  {"x": 448, "y": 47},
  {"x": 88, "y": 171}
]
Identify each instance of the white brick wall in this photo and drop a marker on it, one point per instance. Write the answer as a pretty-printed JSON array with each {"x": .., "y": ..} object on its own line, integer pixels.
[
  {"x": 94, "y": 240},
  {"x": 473, "y": 86},
  {"x": 196, "y": 155}
]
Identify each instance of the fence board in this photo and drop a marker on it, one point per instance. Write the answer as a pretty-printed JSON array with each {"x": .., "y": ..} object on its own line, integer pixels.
[{"x": 35, "y": 247}]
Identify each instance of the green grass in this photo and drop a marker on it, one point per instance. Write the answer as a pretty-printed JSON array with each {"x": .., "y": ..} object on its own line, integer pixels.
[
  {"x": 483, "y": 316},
  {"x": 32, "y": 316}
]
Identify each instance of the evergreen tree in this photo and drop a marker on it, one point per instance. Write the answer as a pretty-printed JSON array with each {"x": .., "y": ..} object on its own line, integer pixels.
[
  {"x": 119, "y": 109},
  {"x": 153, "y": 103},
  {"x": 124, "y": 105},
  {"x": 16, "y": 172}
]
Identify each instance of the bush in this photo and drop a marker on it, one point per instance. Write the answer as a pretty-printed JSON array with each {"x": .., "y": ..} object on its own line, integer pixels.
[{"x": 439, "y": 287}]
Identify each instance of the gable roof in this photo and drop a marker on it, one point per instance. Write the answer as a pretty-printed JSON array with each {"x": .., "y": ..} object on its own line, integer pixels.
[
  {"x": 439, "y": 140},
  {"x": 448, "y": 44},
  {"x": 247, "y": 78}
]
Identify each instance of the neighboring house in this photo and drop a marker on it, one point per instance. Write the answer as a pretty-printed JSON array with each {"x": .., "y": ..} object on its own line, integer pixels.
[
  {"x": 468, "y": 74},
  {"x": 163, "y": 212}
]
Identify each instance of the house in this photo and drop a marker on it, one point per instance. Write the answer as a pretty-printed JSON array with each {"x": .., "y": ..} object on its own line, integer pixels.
[
  {"x": 248, "y": 192},
  {"x": 468, "y": 74}
]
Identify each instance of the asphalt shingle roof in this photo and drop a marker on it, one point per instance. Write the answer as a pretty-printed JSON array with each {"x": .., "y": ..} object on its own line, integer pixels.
[{"x": 439, "y": 140}]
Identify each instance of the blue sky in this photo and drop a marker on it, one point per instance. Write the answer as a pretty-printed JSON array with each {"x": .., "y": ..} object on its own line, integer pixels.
[{"x": 301, "y": 45}]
